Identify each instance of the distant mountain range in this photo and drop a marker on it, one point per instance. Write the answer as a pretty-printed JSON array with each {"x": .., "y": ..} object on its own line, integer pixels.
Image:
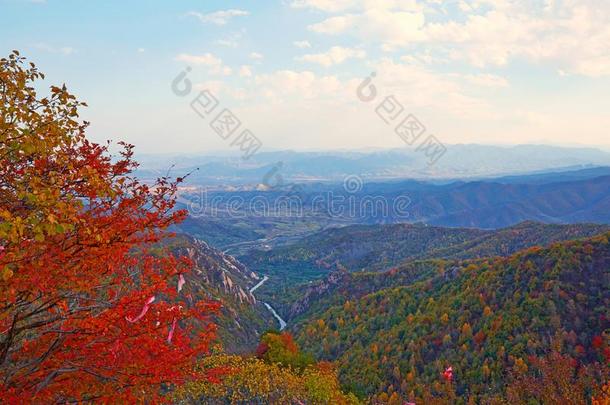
[
  {"x": 459, "y": 161},
  {"x": 556, "y": 176},
  {"x": 493, "y": 205},
  {"x": 570, "y": 197}
]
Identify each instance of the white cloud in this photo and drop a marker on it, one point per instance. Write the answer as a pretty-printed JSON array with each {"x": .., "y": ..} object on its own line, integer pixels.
[
  {"x": 282, "y": 102},
  {"x": 214, "y": 86},
  {"x": 256, "y": 56},
  {"x": 334, "y": 6},
  {"x": 206, "y": 59},
  {"x": 232, "y": 40},
  {"x": 296, "y": 85},
  {"x": 302, "y": 44},
  {"x": 214, "y": 64},
  {"x": 420, "y": 88},
  {"x": 334, "y": 25},
  {"x": 397, "y": 28},
  {"x": 333, "y": 56},
  {"x": 220, "y": 17},
  {"x": 325, "y": 5},
  {"x": 245, "y": 71},
  {"x": 229, "y": 43},
  {"x": 484, "y": 80},
  {"x": 64, "y": 50},
  {"x": 573, "y": 36},
  {"x": 417, "y": 87},
  {"x": 569, "y": 35},
  {"x": 423, "y": 58}
]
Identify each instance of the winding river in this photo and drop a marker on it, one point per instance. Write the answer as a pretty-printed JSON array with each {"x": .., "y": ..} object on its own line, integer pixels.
[{"x": 269, "y": 307}]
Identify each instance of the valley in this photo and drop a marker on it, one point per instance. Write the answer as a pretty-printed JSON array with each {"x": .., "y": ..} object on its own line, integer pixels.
[
  {"x": 407, "y": 299},
  {"x": 269, "y": 307},
  {"x": 243, "y": 219}
]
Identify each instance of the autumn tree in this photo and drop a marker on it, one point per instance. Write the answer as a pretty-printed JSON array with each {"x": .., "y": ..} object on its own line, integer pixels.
[
  {"x": 556, "y": 379},
  {"x": 85, "y": 312},
  {"x": 254, "y": 380},
  {"x": 280, "y": 348}
]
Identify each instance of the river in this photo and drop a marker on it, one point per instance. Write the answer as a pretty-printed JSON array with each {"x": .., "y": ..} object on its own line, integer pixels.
[{"x": 269, "y": 307}]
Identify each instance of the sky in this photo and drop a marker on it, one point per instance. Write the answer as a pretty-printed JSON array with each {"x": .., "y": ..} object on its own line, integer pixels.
[{"x": 292, "y": 71}]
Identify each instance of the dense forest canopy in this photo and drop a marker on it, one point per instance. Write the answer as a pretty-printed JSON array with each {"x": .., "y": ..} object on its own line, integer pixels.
[{"x": 483, "y": 318}]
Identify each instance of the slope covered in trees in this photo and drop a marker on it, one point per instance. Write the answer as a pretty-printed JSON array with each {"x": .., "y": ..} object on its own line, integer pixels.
[
  {"x": 378, "y": 247},
  {"x": 359, "y": 247},
  {"x": 483, "y": 318}
]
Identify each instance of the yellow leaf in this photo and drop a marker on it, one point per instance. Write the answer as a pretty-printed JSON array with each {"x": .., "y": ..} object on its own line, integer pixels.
[{"x": 6, "y": 273}]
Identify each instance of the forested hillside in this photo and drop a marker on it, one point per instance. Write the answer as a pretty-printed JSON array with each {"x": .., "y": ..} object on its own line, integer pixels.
[
  {"x": 483, "y": 318},
  {"x": 360, "y": 247},
  {"x": 380, "y": 247},
  {"x": 377, "y": 247}
]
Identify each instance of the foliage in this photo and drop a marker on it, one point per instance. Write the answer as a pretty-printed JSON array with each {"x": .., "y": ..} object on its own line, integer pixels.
[
  {"x": 482, "y": 317},
  {"x": 553, "y": 379},
  {"x": 70, "y": 215},
  {"x": 373, "y": 248},
  {"x": 603, "y": 398},
  {"x": 263, "y": 380},
  {"x": 280, "y": 348},
  {"x": 381, "y": 246},
  {"x": 358, "y": 247}
]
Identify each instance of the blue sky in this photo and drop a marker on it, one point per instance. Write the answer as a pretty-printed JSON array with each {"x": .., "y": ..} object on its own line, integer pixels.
[{"x": 476, "y": 71}]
